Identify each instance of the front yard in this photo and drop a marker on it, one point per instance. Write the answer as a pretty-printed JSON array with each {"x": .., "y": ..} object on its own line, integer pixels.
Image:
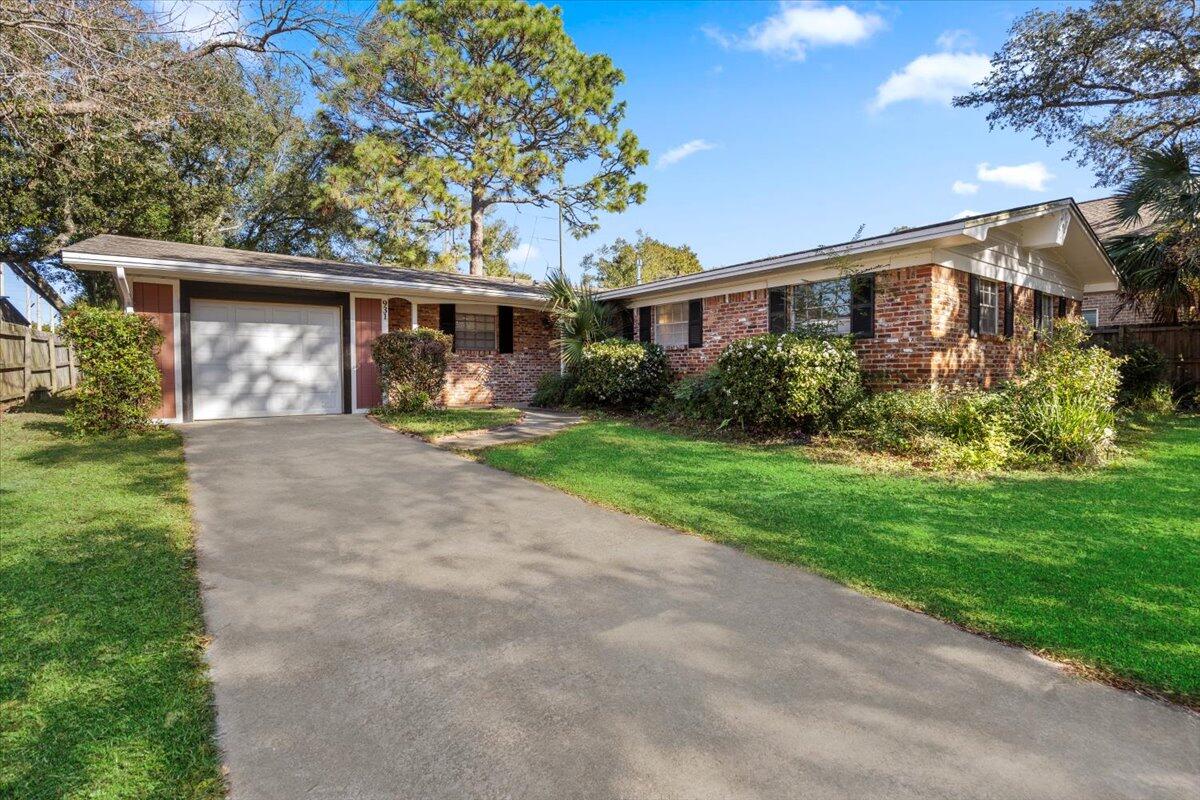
[
  {"x": 1099, "y": 569},
  {"x": 103, "y": 688}
]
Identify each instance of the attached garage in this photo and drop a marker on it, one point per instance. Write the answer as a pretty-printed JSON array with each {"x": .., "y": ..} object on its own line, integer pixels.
[{"x": 264, "y": 359}]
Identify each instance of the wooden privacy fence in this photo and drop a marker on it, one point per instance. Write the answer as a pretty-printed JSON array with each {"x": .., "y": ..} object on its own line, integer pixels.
[
  {"x": 31, "y": 360},
  {"x": 1180, "y": 343}
]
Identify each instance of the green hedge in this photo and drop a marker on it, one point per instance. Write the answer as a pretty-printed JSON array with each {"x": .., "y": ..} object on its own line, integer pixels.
[
  {"x": 412, "y": 366},
  {"x": 785, "y": 383},
  {"x": 120, "y": 385},
  {"x": 621, "y": 374}
]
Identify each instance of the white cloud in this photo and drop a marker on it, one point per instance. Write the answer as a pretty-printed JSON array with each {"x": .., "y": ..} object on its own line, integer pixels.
[
  {"x": 933, "y": 78},
  {"x": 797, "y": 26},
  {"x": 1031, "y": 176},
  {"x": 679, "y": 153},
  {"x": 520, "y": 254},
  {"x": 964, "y": 187},
  {"x": 957, "y": 39},
  {"x": 966, "y": 212}
]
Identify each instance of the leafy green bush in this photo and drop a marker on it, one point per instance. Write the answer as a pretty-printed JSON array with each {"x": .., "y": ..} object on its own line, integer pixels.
[
  {"x": 695, "y": 398},
  {"x": 120, "y": 385},
  {"x": 554, "y": 389},
  {"x": 621, "y": 374},
  {"x": 786, "y": 382},
  {"x": 412, "y": 366},
  {"x": 968, "y": 429},
  {"x": 1158, "y": 402},
  {"x": 1062, "y": 398},
  {"x": 1142, "y": 369}
]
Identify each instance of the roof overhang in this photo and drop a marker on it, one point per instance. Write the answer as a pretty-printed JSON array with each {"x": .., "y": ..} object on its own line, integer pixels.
[
  {"x": 1056, "y": 225},
  {"x": 301, "y": 279}
]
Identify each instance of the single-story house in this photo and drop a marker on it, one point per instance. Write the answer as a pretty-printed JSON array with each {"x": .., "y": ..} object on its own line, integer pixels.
[
  {"x": 1104, "y": 307},
  {"x": 253, "y": 334}
]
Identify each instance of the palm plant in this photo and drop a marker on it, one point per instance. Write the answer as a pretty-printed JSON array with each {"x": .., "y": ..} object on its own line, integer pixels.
[
  {"x": 579, "y": 317},
  {"x": 1159, "y": 268}
]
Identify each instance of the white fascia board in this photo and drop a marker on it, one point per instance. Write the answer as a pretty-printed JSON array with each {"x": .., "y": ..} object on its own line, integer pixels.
[
  {"x": 296, "y": 278},
  {"x": 1107, "y": 286},
  {"x": 994, "y": 269},
  {"x": 969, "y": 230}
]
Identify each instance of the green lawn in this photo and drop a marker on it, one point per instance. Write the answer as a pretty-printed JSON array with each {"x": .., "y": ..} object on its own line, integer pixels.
[
  {"x": 103, "y": 690},
  {"x": 1101, "y": 569},
  {"x": 437, "y": 422}
]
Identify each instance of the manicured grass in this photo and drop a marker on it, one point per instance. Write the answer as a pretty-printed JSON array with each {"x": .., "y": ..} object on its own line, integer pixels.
[
  {"x": 1097, "y": 568},
  {"x": 437, "y": 422},
  {"x": 103, "y": 689}
]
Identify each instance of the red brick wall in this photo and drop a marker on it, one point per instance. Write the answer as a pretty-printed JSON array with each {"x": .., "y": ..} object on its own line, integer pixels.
[
  {"x": 490, "y": 377},
  {"x": 1106, "y": 304},
  {"x": 921, "y": 331}
]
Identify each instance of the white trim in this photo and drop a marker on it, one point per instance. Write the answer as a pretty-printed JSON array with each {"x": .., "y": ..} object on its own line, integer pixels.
[
  {"x": 286, "y": 277},
  {"x": 353, "y": 354},
  {"x": 178, "y": 337},
  {"x": 384, "y": 315},
  {"x": 412, "y": 304},
  {"x": 124, "y": 289}
]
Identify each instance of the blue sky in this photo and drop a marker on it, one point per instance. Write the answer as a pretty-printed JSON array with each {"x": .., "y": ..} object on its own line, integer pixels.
[{"x": 790, "y": 147}]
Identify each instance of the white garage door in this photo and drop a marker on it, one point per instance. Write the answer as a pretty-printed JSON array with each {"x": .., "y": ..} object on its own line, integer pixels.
[{"x": 264, "y": 359}]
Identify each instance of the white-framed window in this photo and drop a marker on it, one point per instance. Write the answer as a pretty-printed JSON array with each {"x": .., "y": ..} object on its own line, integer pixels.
[
  {"x": 989, "y": 308},
  {"x": 671, "y": 325},
  {"x": 1092, "y": 317},
  {"x": 1046, "y": 312},
  {"x": 475, "y": 332},
  {"x": 824, "y": 303}
]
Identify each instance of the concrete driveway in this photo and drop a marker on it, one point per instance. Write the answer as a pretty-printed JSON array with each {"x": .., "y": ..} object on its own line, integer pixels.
[{"x": 392, "y": 621}]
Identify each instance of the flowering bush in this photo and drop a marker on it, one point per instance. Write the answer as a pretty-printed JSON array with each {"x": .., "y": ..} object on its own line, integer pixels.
[
  {"x": 1062, "y": 399},
  {"x": 412, "y": 366},
  {"x": 621, "y": 374},
  {"x": 788, "y": 382},
  {"x": 120, "y": 384}
]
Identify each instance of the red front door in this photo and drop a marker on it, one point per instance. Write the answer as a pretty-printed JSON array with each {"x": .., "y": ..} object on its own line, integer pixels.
[{"x": 368, "y": 324}]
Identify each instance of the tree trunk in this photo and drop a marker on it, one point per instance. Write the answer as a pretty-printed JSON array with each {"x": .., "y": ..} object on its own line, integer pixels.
[{"x": 477, "y": 213}]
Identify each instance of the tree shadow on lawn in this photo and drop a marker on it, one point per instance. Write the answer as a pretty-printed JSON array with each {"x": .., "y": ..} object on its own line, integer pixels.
[{"x": 1100, "y": 567}]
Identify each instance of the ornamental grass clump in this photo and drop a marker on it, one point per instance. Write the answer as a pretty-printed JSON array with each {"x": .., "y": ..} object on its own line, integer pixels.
[
  {"x": 120, "y": 385},
  {"x": 621, "y": 374},
  {"x": 1062, "y": 399},
  {"x": 789, "y": 383},
  {"x": 412, "y": 367}
]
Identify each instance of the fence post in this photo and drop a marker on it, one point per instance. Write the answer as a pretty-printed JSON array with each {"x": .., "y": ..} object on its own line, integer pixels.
[
  {"x": 52, "y": 342},
  {"x": 27, "y": 373}
]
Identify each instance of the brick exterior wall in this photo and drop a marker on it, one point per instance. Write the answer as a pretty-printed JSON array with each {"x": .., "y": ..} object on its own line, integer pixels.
[
  {"x": 1105, "y": 303},
  {"x": 921, "y": 336},
  {"x": 489, "y": 377}
]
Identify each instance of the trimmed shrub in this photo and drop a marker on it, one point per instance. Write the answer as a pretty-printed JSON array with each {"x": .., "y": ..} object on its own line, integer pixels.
[
  {"x": 120, "y": 385},
  {"x": 1158, "y": 402},
  {"x": 621, "y": 374},
  {"x": 1063, "y": 397},
  {"x": 1142, "y": 370},
  {"x": 777, "y": 383},
  {"x": 553, "y": 390},
  {"x": 412, "y": 366}
]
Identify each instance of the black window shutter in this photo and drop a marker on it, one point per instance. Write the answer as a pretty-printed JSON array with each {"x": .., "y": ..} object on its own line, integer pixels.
[
  {"x": 862, "y": 306},
  {"x": 644, "y": 323},
  {"x": 504, "y": 329},
  {"x": 1009, "y": 303},
  {"x": 1037, "y": 310},
  {"x": 973, "y": 314},
  {"x": 1062, "y": 306},
  {"x": 777, "y": 321},
  {"x": 627, "y": 323},
  {"x": 696, "y": 323},
  {"x": 446, "y": 318}
]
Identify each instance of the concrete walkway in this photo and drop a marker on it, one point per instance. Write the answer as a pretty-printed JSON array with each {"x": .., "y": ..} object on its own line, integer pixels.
[
  {"x": 392, "y": 621},
  {"x": 534, "y": 424}
]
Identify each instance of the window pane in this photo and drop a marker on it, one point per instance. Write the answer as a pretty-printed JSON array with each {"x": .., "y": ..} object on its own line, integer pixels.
[
  {"x": 1047, "y": 302},
  {"x": 987, "y": 307},
  {"x": 671, "y": 325},
  {"x": 475, "y": 332},
  {"x": 824, "y": 303},
  {"x": 1091, "y": 316}
]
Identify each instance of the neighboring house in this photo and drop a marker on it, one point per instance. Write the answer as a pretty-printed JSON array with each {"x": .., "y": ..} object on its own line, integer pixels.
[
  {"x": 1103, "y": 308},
  {"x": 251, "y": 334}
]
